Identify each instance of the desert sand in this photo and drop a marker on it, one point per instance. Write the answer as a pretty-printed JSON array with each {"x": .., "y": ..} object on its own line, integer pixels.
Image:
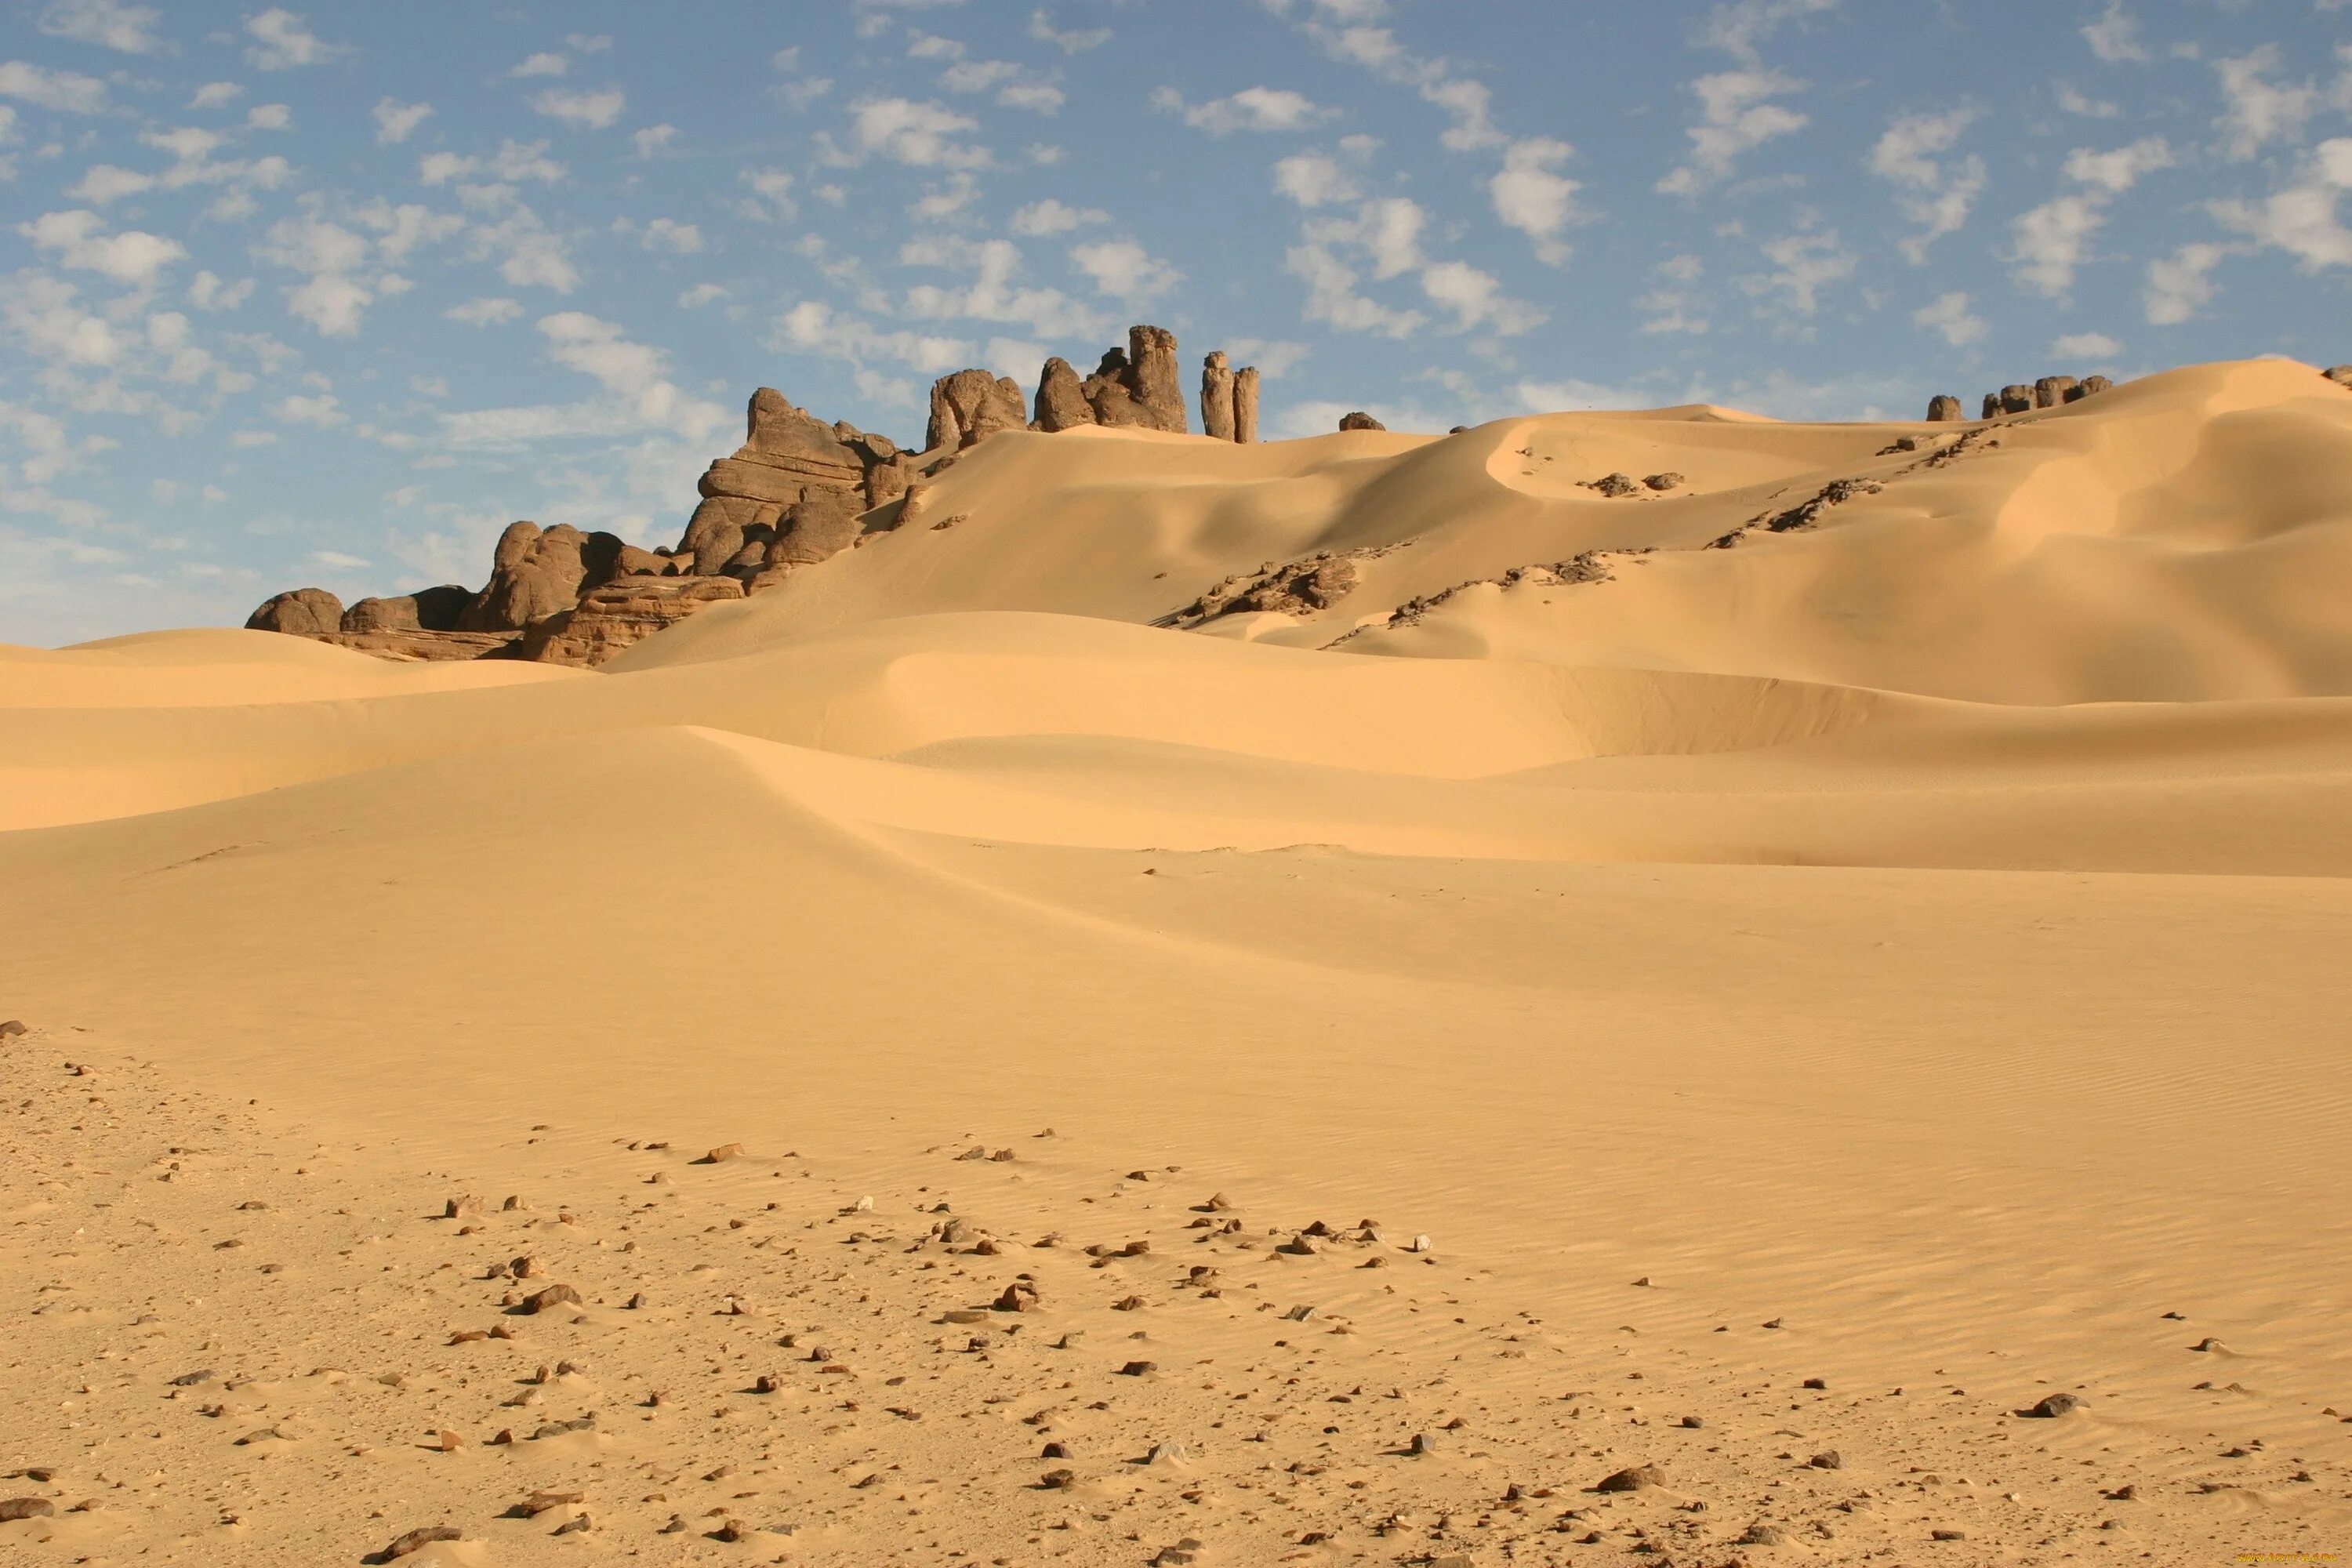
[{"x": 1750, "y": 989}]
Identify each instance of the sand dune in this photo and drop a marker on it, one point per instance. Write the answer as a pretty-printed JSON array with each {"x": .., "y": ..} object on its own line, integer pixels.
[{"x": 1906, "y": 940}]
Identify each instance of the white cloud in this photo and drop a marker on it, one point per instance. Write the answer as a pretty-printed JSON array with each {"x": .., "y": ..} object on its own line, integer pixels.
[
  {"x": 992, "y": 294},
  {"x": 2054, "y": 238},
  {"x": 514, "y": 161},
  {"x": 2181, "y": 284},
  {"x": 1934, "y": 194},
  {"x": 650, "y": 140},
  {"x": 67, "y": 92},
  {"x": 132, "y": 256},
  {"x": 541, "y": 64},
  {"x": 1332, "y": 296},
  {"x": 284, "y": 40},
  {"x": 483, "y": 312},
  {"x": 1804, "y": 265},
  {"x": 208, "y": 292},
  {"x": 1036, "y": 97},
  {"x": 2074, "y": 101},
  {"x": 1531, "y": 198},
  {"x": 214, "y": 94},
  {"x": 402, "y": 229},
  {"x": 1125, "y": 270},
  {"x": 1476, "y": 298},
  {"x": 245, "y": 438},
  {"x": 678, "y": 238},
  {"x": 530, "y": 255},
  {"x": 1314, "y": 179},
  {"x": 1735, "y": 114},
  {"x": 1671, "y": 303},
  {"x": 269, "y": 117},
  {"x": 813, "y": 327},
  {"x": 2258, "y": 112},
  {"x": 772, "y": 190},
  {"x": 2114, "y": 36},
  {"x": 110, "y": 24},
  {"x": 1069, "y": 41},
  {"x": 322, "y": 410},
  {"x": 919, "y": 135},
  {"x": 1739, "y": 27},
  {"x": 397, "y": 121},
  {"x": 592, "y": 111},
  {"x": 589, "y": 42},
  {"x": 1949, "y": 315},
  {"x": 2301, "y": 219},
  {"x": 2086, "y": 346},
  {"x": 1252, "y": 109},
  {"x": 1050, "y": 216},
  {"x": 2122, "y": 169},
  {"x": 701, "y": 294}
]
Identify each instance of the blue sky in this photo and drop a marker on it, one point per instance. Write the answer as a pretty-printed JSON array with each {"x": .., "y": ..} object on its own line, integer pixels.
[{"x": 329, "y": 294}]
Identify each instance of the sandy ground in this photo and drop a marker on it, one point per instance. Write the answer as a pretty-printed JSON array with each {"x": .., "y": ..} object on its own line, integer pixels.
[{"x": 1818, "y": 997}]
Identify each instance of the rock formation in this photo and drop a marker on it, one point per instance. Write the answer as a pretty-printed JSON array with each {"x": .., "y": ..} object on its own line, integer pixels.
[
  {"x": 536, "y": 574},
  {"x": 2048, "y": 392},
  {"x": 302, "y": 610},
  {"x": 1061, "y": 400},
  {"x": 2341, "y": 375},
  {"x": 624, "y": 611},
  {"x": 797, "y": 491},
  {"x": 1359, "y": 421},
  {"x": 970, "y": 405},
  {"x": 1217, "y": 397},
  {"x": 1943, "y": 409},
  {"x": 427, "y": 609}
]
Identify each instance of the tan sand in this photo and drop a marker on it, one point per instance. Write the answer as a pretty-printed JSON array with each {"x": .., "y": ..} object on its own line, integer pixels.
[{"x": 1910, "y": 944}]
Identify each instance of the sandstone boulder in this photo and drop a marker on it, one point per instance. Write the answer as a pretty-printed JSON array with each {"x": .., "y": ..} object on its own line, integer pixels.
[
  {"x": 969, "y": 406},
  {"x": 1217, "y": 397},
  {"x": 1359, "y": 421},
  {"x": 1943, "y": 409},
  {"x": 538, "y": 573},
  {"x": 2017, "y": 398},
  {"x": 823, "y": 525},
  {"x": 1991, "y": 406},
  {"x": 620, "y": 615},
  {"x": 2089, "y": 385},
  {"x": 300, "y": 611},
  {"x": 2341, "y": 375},
  {"x": 2050, "y": 391},
  {"x": 1061, "y": 398},
  {"x": 1138, "y": 385},
  {"x": 1245, "y": 403},
  {"x": 719, "y": 528},
  {"x": 427, "y": 609}
]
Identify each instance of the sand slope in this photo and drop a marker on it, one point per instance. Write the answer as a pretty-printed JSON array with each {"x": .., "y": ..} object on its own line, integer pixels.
[{"x": 1919, "y": 931}]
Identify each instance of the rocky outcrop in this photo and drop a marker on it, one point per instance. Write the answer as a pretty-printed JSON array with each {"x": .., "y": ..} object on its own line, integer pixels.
[
  {"x": 788, "y": 456},
  {"x": 796, "y": 492},
  {"x": 1301, "y": 587},
  {"x": 621, "y": 614},
  {"x": 1061, "y": 399},
  {"x": 2049, "y": 392},
  {"x": 304, "y": 611},
  {"x": 969, "y": 406},
  {"x": 538, "y": 572},
  {"x": 415, "y": 646},
  {"x": 1943, "y": 409},
  {"x": 427, "y": 609},
  {"x": 1217, "y": 397},
  {"x": 1360, "y": 420},
  {"x": 2341, "y": 375}
]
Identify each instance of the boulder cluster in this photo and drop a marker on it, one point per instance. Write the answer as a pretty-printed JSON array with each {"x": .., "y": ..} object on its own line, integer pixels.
[
  {"x": 1139, "y": 386},
  {"x": 797, "y": 491},
  {"x": 2019, "y": 397}
]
